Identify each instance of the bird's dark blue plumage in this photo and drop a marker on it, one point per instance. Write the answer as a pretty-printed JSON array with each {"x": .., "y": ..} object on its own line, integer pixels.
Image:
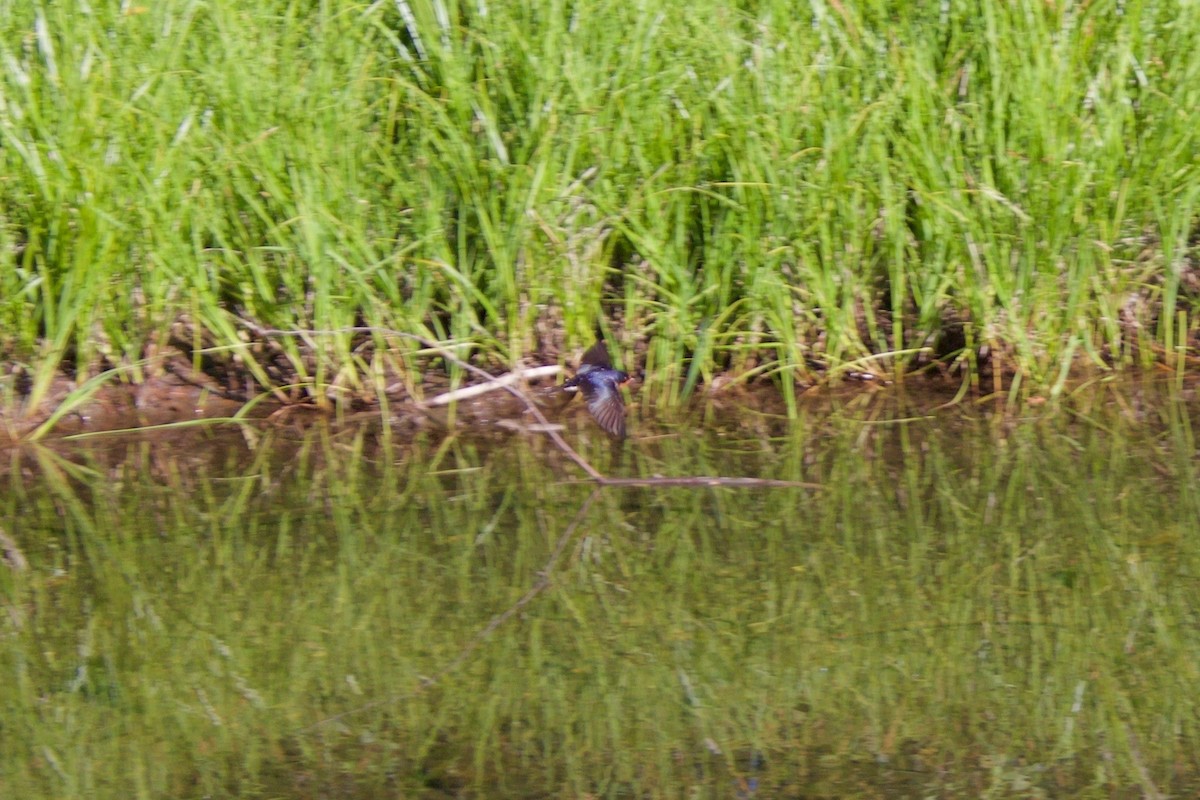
[{"x": 600, "y": 386}]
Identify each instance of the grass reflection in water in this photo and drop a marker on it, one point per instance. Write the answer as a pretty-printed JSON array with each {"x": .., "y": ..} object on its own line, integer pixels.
[{"x": 966, "y": 607}]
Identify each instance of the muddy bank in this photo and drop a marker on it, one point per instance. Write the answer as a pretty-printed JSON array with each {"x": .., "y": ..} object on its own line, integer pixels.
[{"x": 180, "y": 390}]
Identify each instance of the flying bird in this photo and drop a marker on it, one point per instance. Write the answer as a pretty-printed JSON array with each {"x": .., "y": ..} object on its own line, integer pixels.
[{"x": 600, "y": 385}]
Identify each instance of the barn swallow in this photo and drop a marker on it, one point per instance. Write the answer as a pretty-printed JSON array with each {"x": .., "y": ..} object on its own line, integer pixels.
[{"x": 600, "y": 384}]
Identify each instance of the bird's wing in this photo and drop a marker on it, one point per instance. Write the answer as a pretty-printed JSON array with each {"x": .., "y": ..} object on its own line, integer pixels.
[
  {"x": 608, "y": 408},
  {"x": 597, "y": 356}
]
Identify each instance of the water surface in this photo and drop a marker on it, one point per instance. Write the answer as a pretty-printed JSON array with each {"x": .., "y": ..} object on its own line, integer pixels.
[{"x": 970, "y": 605}]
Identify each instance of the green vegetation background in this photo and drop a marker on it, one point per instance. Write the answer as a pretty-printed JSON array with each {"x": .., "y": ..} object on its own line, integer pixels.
[{"x": 752, "y": 187}]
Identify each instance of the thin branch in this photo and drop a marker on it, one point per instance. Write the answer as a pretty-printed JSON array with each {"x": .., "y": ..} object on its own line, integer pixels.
[{"x": 467, "y": 392}]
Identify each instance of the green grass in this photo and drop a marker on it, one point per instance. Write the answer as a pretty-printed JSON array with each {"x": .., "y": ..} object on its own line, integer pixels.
[
  {"x": 750, "y": 190},
  {"x": 955, "y": 614}
]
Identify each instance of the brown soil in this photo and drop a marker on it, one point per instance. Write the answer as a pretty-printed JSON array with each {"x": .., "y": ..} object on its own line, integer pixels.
[{"x": 177, "y": 392}]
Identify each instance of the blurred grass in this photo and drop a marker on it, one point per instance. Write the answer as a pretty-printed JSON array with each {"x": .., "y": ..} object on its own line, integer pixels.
[
  {"x": 754, "y": 189},
  {"x": 969, "y": 608}
]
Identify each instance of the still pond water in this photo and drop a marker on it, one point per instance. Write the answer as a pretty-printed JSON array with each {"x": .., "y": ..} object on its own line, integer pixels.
[{"x": 969, "y": 605}]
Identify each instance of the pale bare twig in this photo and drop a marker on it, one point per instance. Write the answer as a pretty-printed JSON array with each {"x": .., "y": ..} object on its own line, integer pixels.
[{"x": 467, "y": 392}]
